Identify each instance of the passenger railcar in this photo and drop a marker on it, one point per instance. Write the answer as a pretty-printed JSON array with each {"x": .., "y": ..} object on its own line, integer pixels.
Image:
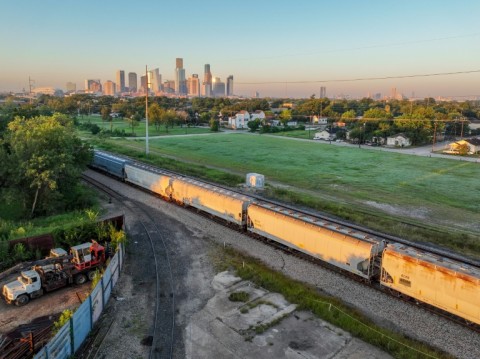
[
  {"x": 219, "y": 202},
  {"x": 354, "y": 252},
  {"x": 440, "y": 282}
]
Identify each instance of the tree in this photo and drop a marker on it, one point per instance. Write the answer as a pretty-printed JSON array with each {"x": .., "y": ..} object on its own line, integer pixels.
[
  {"x": 44, "y": 160},
  {"x": 350, "y": 114},
  {"x": 254, "y": 125},
  {"x": 134, "y": 121},
  {"x": 285, "y": 116},
  {"x": 105, "y": 112},
  {"x": 214, "y": 125},
  {"x": 155, "y": 114}
]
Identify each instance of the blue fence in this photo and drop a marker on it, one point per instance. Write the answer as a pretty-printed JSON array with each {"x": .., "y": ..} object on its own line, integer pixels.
[{"x": 71, "y": 336}]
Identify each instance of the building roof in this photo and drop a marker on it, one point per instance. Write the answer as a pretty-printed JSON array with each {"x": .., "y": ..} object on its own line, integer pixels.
[
  {"x": 398, "y": 135},
  {"x": 473, "y": 141}
]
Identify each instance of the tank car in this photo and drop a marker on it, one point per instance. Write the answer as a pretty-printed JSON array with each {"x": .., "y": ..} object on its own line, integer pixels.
[
  {"x": 352, "y": 251},
  {"x": 443, "y": 283}
]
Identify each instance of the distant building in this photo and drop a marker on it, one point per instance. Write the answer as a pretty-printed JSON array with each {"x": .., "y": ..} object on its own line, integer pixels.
[
  {"x": 93, "y": 86},
  {"x": 324, "y": 135},
  {"x": 207, "y": 82},
  {"x": 47, "y": 91},
  {"x": 109, "y": 88},
  {"x": 240, "y": 120},
  {"x": 132, "y": 82},
  {"x": 71, "y": 87},
  {"x": 257, "y": 114},
  {"x": 180, "y": 81},
  {"x": 230, "y": 85},
  {"x": 143, "y": 83},
  {"x": 320, "y": 120},
  {"x": 193, "y": 86},
  {"x": 120, "y": 83},
  {"x": 323, "y": 92},
  {"x": 398, "y": 140},
  {"x": 169, "y": 86},
  {"x": 154, "y": 80},
  {"x": 218, "y": 87},
  {"x": 469, "y": 146}
]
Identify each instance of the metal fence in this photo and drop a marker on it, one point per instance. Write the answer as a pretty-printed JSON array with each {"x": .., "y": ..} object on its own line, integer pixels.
[{"x": 71, "y": 336}]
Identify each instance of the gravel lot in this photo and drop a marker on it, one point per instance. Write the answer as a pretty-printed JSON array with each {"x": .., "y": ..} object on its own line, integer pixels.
[{"x": 189, "y": 240}]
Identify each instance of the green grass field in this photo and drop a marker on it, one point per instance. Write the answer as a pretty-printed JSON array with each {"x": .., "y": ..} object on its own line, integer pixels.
[
  {"x": 370, "y": 187},
  {"x": 139, "y": 131}
]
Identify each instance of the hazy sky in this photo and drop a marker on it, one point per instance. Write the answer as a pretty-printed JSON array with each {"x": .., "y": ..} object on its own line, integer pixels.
[{"x": 256, "y": 41}]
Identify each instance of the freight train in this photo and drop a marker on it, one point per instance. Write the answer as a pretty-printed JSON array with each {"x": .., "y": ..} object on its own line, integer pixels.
[{"x": 446, "y": 284}]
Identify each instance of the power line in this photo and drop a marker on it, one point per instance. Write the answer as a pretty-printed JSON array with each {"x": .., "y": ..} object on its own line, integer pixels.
[{"x": 360, "y": 79}]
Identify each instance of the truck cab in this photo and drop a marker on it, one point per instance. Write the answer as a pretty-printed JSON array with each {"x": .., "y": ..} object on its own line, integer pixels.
[{"x": 28, "y": 285}]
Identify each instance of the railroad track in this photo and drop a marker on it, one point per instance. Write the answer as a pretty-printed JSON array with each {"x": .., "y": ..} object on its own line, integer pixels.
[
  {"x": 347, "y": 275},
  {"x": 162, "y": 341},
  {"x": 337, "y": 221}
]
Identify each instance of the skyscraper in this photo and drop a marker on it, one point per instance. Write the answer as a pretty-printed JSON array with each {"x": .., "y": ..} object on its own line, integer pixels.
[
  {"x": 154, "y": 80},
  {"x": 71, "y": 87},
  {"x": 93, "y": 86},
  {"x": 120, "y": 81},
  {"x": 109, "y": 88},
  {"x": 132, "y": 82},
  {"x": 230, "y": 85},
  {"x": 207, "y": 82},
  {"x": 193, "y": 86},
  {"x": 323, "y": 92},
  {"x": 143, "y": 83},
  {"x": 180, "y": 81},
  {"x": 218, "y": 87}
]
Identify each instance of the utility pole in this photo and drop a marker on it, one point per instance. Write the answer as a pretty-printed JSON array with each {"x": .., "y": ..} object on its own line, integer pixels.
[
  {"x": 434, "y": 136},
  {"x": 461, "y": 133},
  {"x": 146, "y": 111}
]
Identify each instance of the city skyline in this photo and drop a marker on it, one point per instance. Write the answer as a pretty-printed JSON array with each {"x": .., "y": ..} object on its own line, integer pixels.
[{"x": 55, "y": 43}]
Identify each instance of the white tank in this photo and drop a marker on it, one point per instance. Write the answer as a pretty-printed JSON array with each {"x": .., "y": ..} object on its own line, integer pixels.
[{"x": 255, "y": 180}]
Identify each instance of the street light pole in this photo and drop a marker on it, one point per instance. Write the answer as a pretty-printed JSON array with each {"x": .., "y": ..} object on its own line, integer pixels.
[{"x": 146, "y": 111}]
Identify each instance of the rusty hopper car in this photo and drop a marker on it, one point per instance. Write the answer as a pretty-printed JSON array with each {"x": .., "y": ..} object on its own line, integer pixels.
[
  {"x": 440, "y": 282},
  {"x": 149, "y": 178},
  {"x": 219, "y": 202},
  {"x": 349, "y": 250}
]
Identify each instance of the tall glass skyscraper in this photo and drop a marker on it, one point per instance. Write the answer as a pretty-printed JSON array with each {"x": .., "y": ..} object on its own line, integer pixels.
[{"x": 180, "y": 80}]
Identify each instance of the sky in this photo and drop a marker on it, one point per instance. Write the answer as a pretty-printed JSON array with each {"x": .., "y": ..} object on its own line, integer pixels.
[{"x": 267, "y": 45}]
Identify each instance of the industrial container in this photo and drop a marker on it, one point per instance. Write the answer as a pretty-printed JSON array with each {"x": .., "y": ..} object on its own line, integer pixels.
[
  {"x": 349, "y": 250},
  {"x": 219, "y": 202},
  {"x": 441, "y": 282},
  {"x": 108, "y": 163},
  {"x": 149, "y": 178},
  {"x": 255, "y": 180}
]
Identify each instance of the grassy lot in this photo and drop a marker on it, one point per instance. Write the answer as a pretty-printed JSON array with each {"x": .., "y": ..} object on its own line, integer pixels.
[
  {"x": 420, "y": 198},
  {"x": 139, "y": 131},
  {"x": 305, "y": 134},
  {"x": 328, "y": 308}
]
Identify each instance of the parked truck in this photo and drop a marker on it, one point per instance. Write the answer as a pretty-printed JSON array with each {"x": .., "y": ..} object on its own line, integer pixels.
[{"x": 64, "y": 270}]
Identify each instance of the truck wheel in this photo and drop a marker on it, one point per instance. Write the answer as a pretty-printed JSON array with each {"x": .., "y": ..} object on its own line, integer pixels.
[
  {"x": 80, "y": 279},
  {"x": 91, "y": 275},
  {"x": 22, "y": 300}
]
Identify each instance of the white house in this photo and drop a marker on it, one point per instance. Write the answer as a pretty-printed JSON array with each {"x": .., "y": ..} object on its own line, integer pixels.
[
  {"x": 257, "y": 114},
  {"x": 240, "y": 120},
  {"x": 320, "y": 120},
  {"x": 472, "y": 146},
  {"x": 398, "y": 140},
  {"x": 324, "y": 135}
]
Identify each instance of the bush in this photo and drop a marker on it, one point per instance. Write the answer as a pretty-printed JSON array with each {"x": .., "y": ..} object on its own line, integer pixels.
[{"x": 239, "y": 297}]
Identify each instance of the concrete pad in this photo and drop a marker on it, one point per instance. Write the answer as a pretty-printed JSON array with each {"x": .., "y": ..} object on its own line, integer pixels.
[{"x": 222, "y": 329}]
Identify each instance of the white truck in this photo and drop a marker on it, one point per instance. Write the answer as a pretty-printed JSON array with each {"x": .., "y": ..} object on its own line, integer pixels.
[{"x": 64, "y": 270}]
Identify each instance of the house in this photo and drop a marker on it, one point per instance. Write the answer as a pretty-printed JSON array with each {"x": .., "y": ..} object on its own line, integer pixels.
[
  {"x": 398, "y": 140},
  {"x": 292, "y": 123},
  {"x": 324, "y": 135},
  {"x": 320, "y": 120},
  {"x": 471, "y": 146},
  {"x": 257, "y": 114},
  {"x": 240, "y": 120}
]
